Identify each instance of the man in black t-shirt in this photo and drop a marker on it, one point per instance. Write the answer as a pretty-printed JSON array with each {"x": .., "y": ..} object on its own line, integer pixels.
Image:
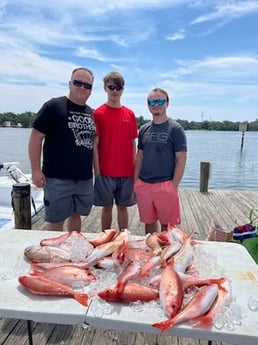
[{"x": 63, "y": 132}]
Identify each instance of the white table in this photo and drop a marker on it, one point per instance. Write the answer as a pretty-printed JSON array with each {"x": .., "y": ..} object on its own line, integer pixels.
[{"x": 15, "y": 302}]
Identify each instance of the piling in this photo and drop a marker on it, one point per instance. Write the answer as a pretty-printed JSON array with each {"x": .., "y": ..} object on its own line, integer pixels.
[
  {"x": 204, "y": 176},
  {"x": 21, "y": 202}
]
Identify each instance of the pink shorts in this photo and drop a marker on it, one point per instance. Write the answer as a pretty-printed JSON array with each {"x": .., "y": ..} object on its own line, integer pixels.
[{"x": 157, "y": 201}]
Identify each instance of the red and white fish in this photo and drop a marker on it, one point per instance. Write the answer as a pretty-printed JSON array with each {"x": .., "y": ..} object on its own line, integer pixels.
[
  {"x": 73, "y": 242},
  {"x": 43, "y": 266},
  {"x": 67, "y": 275},
  {"x": 123, "y": 236},
  {"x": 46, "y": 254},
  {"x": 42, "y": 286},
  {"x": 132, "y": 292},
  {"x": 171, "y": 235},
  {"x": 131, "y": 271},
  {"x": 137, "y": 254},
  {"x": 206, "y": 320},
  {"x": 149, "y": 265},
  {"x": 190, "y": 280},
  {"x": 101, "y": 251},
  {"x": 104, "y": 237},
  {"x": 200, "y": 304},
  {"x": 58, "y": 240},
  {"x": 118, "y": 254},
  {"x": 170, "y": 291},
  {"x": 55, "y": 241},
  {"x": 170, "y": 250},
  {"x": 184, "y": 257},
  {"x": 161, "y": 259}
]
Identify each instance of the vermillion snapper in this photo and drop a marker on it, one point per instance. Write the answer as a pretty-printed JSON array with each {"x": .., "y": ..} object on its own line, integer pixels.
[
  {"x": 103, "y": 237},
  {"x": 200, "y": 304},
  {"x": 42, "y": 286},
  {"x": 170, "y": 291},
  {"x": 132, "y": 292},
  {"x": 67, "y": 275}
]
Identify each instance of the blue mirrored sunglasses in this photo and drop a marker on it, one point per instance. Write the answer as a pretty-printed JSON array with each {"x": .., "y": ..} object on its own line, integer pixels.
[
  {"x": 79, "y": 83},
  {"x": 160, "y": 101}
]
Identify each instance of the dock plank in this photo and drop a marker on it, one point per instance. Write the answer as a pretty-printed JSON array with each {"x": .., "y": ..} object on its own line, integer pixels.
[{"x": 197, "y": 211}]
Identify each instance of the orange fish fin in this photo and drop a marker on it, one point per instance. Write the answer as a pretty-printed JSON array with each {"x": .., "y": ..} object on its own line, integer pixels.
[
  {"x": 120, "y": 287},
  {"x": 82, "y": 298},
  {"x": 34, "y": 272},
  {"x": 164, "y": 325}
]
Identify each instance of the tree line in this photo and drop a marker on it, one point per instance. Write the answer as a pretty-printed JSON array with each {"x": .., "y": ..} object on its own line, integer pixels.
[
  {"x": 209, "y": 125},
  {"x": 25, "y": 121}
]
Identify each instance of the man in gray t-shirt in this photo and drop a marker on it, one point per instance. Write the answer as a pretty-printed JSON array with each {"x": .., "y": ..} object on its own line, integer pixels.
[{"x": 160, "y": 165}]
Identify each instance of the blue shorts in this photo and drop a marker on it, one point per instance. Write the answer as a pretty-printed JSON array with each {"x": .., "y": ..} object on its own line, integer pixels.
[
  {"x": 62, "y": 197},
  {"x": 107, "y": 189}
]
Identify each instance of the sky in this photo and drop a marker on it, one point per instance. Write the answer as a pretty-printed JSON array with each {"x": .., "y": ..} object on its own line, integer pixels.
[{"x": 204, "y": 53}]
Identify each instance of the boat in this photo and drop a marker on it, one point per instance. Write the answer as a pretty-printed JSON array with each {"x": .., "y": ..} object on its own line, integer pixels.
[{"x": 10, "y": 174}]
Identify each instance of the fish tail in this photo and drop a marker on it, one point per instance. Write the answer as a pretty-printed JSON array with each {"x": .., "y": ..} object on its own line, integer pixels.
[
  {"x": 219, "y": 282},
  {"x": 164, "y": 325},
  {"x": 82, "y": 298}
]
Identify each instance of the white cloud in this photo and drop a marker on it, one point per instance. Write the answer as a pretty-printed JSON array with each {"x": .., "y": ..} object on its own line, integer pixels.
[
  {"x": 228, "y": 10},
  {"x": 180, "y": 35}
]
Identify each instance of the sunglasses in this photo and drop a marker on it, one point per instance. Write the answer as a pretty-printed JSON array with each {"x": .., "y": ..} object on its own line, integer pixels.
[
  {"x": 113, "y": 87},
  {"x": 79, "y": 83},
  {"x": 160, "y": 101}
]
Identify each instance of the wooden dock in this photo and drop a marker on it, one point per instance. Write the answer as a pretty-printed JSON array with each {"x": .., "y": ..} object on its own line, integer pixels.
[{"x": 197, "y": 211}]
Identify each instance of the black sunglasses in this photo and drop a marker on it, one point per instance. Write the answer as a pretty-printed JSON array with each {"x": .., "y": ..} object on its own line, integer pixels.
[
  {"x": 113, "y": 87},
  {"x": 79, "y": 83}
]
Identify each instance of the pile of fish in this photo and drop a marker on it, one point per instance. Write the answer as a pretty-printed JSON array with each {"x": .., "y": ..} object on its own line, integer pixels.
[{"x": 159, "y": 267}]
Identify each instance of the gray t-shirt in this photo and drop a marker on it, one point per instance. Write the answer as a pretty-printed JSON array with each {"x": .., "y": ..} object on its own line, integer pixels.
[{"x": 159, "y": 143}]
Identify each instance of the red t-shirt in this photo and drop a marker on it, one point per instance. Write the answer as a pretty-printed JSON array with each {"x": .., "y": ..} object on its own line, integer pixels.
[{"x": 116, "y": 129}]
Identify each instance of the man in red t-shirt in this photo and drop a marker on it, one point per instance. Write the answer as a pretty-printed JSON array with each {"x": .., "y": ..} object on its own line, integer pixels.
[{"x": 114, "y": 154}]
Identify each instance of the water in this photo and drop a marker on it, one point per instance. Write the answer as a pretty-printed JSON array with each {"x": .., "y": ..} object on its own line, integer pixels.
[{"x": 231, "y": 167}]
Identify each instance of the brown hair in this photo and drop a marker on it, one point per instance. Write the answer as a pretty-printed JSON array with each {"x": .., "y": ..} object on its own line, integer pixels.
[
  {"x": 114, "y": 77},
  {"x": 158, "y": 89}
]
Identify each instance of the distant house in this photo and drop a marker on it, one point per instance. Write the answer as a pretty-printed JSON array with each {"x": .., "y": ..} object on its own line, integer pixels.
[
  {"x": 19, "y": 125},
  {"x": 7, "y": 123}
]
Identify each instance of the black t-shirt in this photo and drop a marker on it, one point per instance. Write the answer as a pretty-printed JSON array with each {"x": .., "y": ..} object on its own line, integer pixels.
[{"x": 69, "y": 133}]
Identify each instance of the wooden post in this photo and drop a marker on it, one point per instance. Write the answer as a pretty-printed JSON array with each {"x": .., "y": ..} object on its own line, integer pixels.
[
  {"x": 21, "y": 205},
  {"x": 242, "y": 140},
  {"x": 243, "y": 128},
  {"x": 204, "y": 176}
]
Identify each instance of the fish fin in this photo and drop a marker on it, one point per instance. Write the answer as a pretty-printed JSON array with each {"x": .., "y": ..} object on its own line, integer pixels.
[
  {"x": 219, "y": 282},
  {"x": 35, "y": 272},
  {"x": 164, "y": 325},
  {"x": 144, "y": 273},
  {"x": 82, "y": 298},
  {"x": 120, "y": 287}
]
